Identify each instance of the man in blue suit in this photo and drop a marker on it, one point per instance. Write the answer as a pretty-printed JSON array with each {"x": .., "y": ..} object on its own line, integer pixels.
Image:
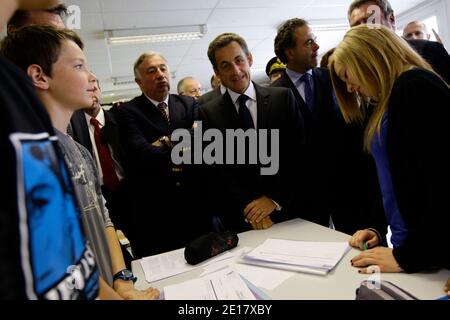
[
  {"x": 163, "y": 214},
  {"x": 338, "y": 179}
]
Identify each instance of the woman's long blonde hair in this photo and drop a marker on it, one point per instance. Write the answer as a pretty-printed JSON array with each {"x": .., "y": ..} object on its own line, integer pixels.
[{"x": 375, "y": 56}]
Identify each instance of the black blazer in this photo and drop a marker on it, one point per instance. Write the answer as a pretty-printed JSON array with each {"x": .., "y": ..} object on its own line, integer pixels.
[
  {"x": 417, "y": 139},
  {"x": 435, "y": 54},
  {"x": 234, "y": 186},
  {"x": 211, "y": 95},
  {"x": 110, "y": 132},
  {"x": 143, "y": 124},
  {"x": 164, "y": 210},
  {"x": 339, "y": 178}
]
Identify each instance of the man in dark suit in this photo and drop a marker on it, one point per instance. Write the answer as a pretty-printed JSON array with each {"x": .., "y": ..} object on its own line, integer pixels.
[
  {"x": 165, "y": 215},
  {"x": 244, "y": 198},
  {"x": 211, "y": 95},
  {"x": 434, "y": 53},
  {"x": 338, "y": 179}
]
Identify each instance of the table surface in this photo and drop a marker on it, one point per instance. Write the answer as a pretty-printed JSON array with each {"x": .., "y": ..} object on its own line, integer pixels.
[{"x": 339, "y": 284}]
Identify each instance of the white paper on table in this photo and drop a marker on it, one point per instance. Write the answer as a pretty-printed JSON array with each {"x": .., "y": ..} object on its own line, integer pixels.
[
  {"x": 263, "y": 277},
  {"x": 222, "y": 264},
  {"x": 225, "y": 284},
  {"x": 285, "y": 267},
  {"x": 171, "y": 263},
  {"x": 320, "y": 255}
]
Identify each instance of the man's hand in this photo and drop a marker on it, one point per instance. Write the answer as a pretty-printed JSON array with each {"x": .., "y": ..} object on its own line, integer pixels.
[
  {"x": 157, "y": 143},
  {"x": 258, "y": 209},
  {"x": 266, "y": 223},
  {"x": 380, "y": 257},
  {"x": 127, "y": 291},
  {"x": 163, "y": 141}
]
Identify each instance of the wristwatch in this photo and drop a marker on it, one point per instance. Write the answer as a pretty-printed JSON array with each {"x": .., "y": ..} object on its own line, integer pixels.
[{"x": 125, "y": 275}]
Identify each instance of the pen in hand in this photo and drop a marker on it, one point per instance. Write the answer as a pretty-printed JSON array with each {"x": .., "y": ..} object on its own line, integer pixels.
[{"x": 364, "y": 246}]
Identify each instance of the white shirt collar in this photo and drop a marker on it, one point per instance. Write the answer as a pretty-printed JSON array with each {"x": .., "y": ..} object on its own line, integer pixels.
[
  {"x": 250, "y": 92},
  {"x": 100, "y": 117},
  {"x": 295, "y": 76},
  {"x": 166, "y": 100}
]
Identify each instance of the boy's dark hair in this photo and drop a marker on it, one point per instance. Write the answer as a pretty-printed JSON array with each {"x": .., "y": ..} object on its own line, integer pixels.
[
  {"x": 222, "y": 41},
  {"x": 39, "y": 45},
  {"x": 285, "y": 37},
  {"x": 20, "y": 17},
  {"x": 384, "y": 5}
]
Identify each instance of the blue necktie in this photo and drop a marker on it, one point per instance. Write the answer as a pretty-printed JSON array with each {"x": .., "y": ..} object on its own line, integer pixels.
[
  {"x": 309, "y": 94},
  {"x": 244, "y": 113}
]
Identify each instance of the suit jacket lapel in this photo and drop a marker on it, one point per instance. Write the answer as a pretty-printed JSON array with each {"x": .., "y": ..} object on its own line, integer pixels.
[
  {"x": 108, "y": 129},
  {"x": 263, "y": 106},
  {"x": 153, "y": 114},
  {"x": 81, "y": 130},
  {"x": 174, "y": 114},
  {"x": 317, "y": 88},
  {"x": 230, "y": 115}
]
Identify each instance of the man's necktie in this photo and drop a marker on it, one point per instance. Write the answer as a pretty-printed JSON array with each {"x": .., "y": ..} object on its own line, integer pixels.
[
  {"x": 110, "y": 179},
  {"x": 244, "y": 113},
  {"x": 309, "y": 94},
  {"x": 162, "y": 108}
]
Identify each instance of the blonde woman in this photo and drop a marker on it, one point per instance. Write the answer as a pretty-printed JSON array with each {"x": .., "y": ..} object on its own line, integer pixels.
[{"x": 407, "y": 134}]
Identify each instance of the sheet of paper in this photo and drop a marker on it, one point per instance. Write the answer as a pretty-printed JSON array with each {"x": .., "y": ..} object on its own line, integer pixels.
[
  {"x": 225, "y": 284},
  {"x": 218, "y": 265},
  {"x": 321, "y": 255},
  {"x": 171, "y": 263},
  {"x": 266, "y": 278}
]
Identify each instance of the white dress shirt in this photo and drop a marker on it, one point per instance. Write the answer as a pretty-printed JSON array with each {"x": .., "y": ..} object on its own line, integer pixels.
[
  {"x": 101, "y": 119},
  {"x": 250, "y": 103}
]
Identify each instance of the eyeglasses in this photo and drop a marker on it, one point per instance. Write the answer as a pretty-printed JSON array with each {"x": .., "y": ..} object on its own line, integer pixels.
[
  {"x": 195, "y": 90},
  {"x": 310, "y": 43}
]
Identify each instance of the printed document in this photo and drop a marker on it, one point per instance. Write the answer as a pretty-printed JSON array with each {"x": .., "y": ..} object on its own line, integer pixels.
[{"x": 302, "y": 256}]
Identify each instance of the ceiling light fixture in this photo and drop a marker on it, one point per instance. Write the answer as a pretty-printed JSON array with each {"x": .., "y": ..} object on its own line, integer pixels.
[{"x": 168, "y": 34}]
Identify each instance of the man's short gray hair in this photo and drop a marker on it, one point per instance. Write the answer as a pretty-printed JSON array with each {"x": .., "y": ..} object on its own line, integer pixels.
[{"x": 142, "y": 57}]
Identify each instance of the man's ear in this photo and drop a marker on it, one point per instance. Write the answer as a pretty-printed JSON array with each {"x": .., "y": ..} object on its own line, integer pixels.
[
  {"x": 289, "y": 53},
  {"x": 38, "y": 77},
  {"x": 391, "y": 19},
  {"x": 250, "y": 59},
  {"x": 138, "y": 81}
]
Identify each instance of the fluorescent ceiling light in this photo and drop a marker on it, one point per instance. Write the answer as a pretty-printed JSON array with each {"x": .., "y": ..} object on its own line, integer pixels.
[{"x": 146, "y": 35}]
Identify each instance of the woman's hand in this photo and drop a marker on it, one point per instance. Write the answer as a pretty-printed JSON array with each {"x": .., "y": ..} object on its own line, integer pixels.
[
  {"x": 369, "y": 237},
  {"x": 379, "y": 259}
]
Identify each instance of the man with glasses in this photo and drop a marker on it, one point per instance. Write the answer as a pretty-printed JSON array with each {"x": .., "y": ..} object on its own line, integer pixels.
[{"x": 189, "y": 87}]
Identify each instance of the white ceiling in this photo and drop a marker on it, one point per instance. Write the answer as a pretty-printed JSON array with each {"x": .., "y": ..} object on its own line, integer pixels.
[{"x": 255, "y": 20}]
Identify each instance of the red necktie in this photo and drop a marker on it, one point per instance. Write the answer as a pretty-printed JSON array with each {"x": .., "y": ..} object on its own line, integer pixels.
[{"x": 110, "y": 179}]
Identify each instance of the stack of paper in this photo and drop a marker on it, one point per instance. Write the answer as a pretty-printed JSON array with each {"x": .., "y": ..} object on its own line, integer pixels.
[{"x": 301, "y": 256}]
